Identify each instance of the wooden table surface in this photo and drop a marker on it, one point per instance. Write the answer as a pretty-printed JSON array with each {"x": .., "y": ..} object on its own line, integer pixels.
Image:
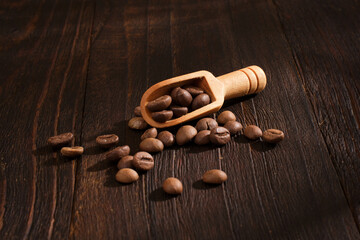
[{"x": 82, "y": 66}]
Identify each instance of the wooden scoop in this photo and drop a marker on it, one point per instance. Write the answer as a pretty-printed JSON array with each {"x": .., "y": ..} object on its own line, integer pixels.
[{"x": 239, "y": 83}]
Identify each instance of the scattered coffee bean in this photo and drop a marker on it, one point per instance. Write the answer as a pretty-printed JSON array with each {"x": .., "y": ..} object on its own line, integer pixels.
[
  {"x": 118, "y": 153},
  {"x": 206, "y": 124},
  {"x": 125, "y": 162},
  {"x": 137, "y": 111},
  {"x": 225, "y": 117},
  {"x": 179, "y": 111},
  {"x": 159, "y": 104},
  {"x": 202, "y": 138},
  {"x": 137, "y": 123},
  {"x": 162, "y": 116},
  {"x": 234, "y": 127},
  {"x": 107, "y": 141},
  {"x": 219, "y": 136},
  {"x": 273, "y": 135},
  {"x": 200, "y": 101},
  {"x": 193, "y": 90},
  {"x": 151, "y": 145},
  {"x": 126, "y": 175},
  {"x": 252, "y": 132},
  {"x": 143, "y": 161},
  {"x": 185, "y": 134},
  {"x": 61, "y": 139},
  {"x": 72, "y": 151},
  {"x": 214, "y": 176},
  {"x": 183, "y": 98},
  {"x": 150, "y": 133},
  {"x": 172, "y": 186},
  {"x": 167, "y": 138}
]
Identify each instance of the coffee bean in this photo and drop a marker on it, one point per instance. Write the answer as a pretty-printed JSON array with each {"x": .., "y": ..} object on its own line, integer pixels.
[
  {"x": 118, "y": 153},
  {"x": 125, "y": 162},
  {"x": 206, "y": 124},
  {"x": 234, "y": 127},
  {"x": 214, "y": 176},
  {"x": 200, "y": 101},
  {"x": 150, "y": 133},
  {"x": 179, "y": 111},
  {"x": 162, "y": 116},
  {"x": 167, "y": 138},
  {"x": 174, "y": 92},
  {"x": 137, "y": 123},
  {"x": 183, "y": 98},
  {"x": 159, "y": 104},
  {"x": 61, "y": 139},
  {"x": 252, "y": 132},
  {"x": 137, "y": 111},
  {"x": 219, "y": 136},
  {"x": 143, "y": 161},
  {"x": 72, "y": 151},
  {"x": 202, "y": 138},
  {"x": 273, "y": 135},
  {"x": 126, "y": 175},
  {"x": 107, "y": 141},
  {"x": 225, "y": 117},
  {"x": 193, "y": 90},
  {"x": 185, "y": 134},
  {"x": 151, "y": 145},
  {"x": 172, "y": 186}
]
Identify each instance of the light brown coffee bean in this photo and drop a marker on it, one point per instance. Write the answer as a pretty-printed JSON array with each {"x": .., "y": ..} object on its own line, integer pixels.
[
  {"x": 273, "y": 135},
  {"x": 214, "y": 176},
  {"x": 137, "y": 123},
  {"x": 179, "y": 111},
  {"x": 150, "y": 133},
  {"x": 219, "y": 136},
  {"x": 125, "y": 162},
  {"x": 151, "y": 145},
  {"x": 118, "y": 153},
  {"x": 107, "y": 141},
  {"x": 143, "y": 161},
  {"x": 183, "y": 98},
  {"x": 172, "y": 186},
  {"x": 206, "y": 124},
  {"x": 61, "y": 139},
  {"x": 185, "y": 134},
  {"x": 72, "y": 151},
  {"x": 126, "y": 175},
  {"x": 193, "y": 90},
  {"x": 200, "y": 101},
  {"x": 234, "y": 127},
  {"x": 252, "y": 132},
  {"x": 225, "y": 117},
  {"x": 159, "y": 104},
  {"x": 167, "y": 138},
  {"x": 162, "y": 116},
  {"x": 137, "y": 111},
  {"x": 202, "y": 138}
]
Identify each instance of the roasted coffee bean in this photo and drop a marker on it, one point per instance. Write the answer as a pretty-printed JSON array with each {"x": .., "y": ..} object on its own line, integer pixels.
[
  {"x": 174, "y": 92},
  {"x": 172, "y": 186},
  {"x": 202, "y": 138},
  {"x": 137, "y": 111},
  {"x": 72, "y": 151},
  {"x": 225, "y": 117},
  {"x": 214, "y": 176},
  {"x": 159, "y": 104},
  {"x": 107, "y": 141},
  {"x": 273, "y": 135},
  {"x": 151, "y": 145},
  {"x": 143, "y": 161},
  {"x": 118, "y": 153},
  {"x": 200, "y": 101},
  {"x": 61, "y": 139},
  {"x": 206, "y": 124},
  {"x": 219, "y": 136},
  {"x": 193, "y": 90},
  {"x": 179, "y": 111},
  {"x": 126, "y": 175},
  {"x": 167, "y": 138},
  {"x": 137, "y": 123},
  {"x": 185, "y": 134},
  {"x": 150, "y": 133},
  {"x": 234, "y": 127},
  {"x": 162, "y": 116},
  {"x": 252, "y": 132},
  {"x": 183, "y": 98},
  {"x": 125, "y": 162}
]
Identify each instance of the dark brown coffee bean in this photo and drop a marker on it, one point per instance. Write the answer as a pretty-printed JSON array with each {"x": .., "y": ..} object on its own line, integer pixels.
[
  {"x": 125, "y": 162},
  {"x": 193, "y": 90},
  {"x": 143, "y": 161},
  {"x": 206, "y": 124},
  {"x": 172, "y": 186},
  {"x": 72, "y": 151},
  {"x": 214, "y": 176},
  {"x": 185, "y": 134},
  {"x": 252, "y": 132},
  {"x": 234, "y": 127},
  {"x": 137, "y": 111},
  {"x": 118, "y": 153},
  {"x": 162, "y": 116},
  {"x": 273, "y": 135},
  {"x": 150, "y": 133},
  {"x": 183, "y": 98},
  {"x": 151, "y": 145},
  {"x": 219, "y": 136},
  {"x": 107, "y": 141},
  {"x": 126, "y": 175},
  {"x": 159, "y": 104},
  {"x": 200, "y": 101},
  {"x": 202, "y": 138},
  {"x": 137, "y": 123},
  {"x": 174, "y": 92},
  {"x": 179, "y": 111},
  {"x": 61, "y": 139},
  {"x": 225, "y": 117},
  {"x": 167, "y": 138}
]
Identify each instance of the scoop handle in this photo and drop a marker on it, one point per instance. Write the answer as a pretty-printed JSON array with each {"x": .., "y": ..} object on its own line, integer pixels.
[{"x": 243, "y": 82}]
